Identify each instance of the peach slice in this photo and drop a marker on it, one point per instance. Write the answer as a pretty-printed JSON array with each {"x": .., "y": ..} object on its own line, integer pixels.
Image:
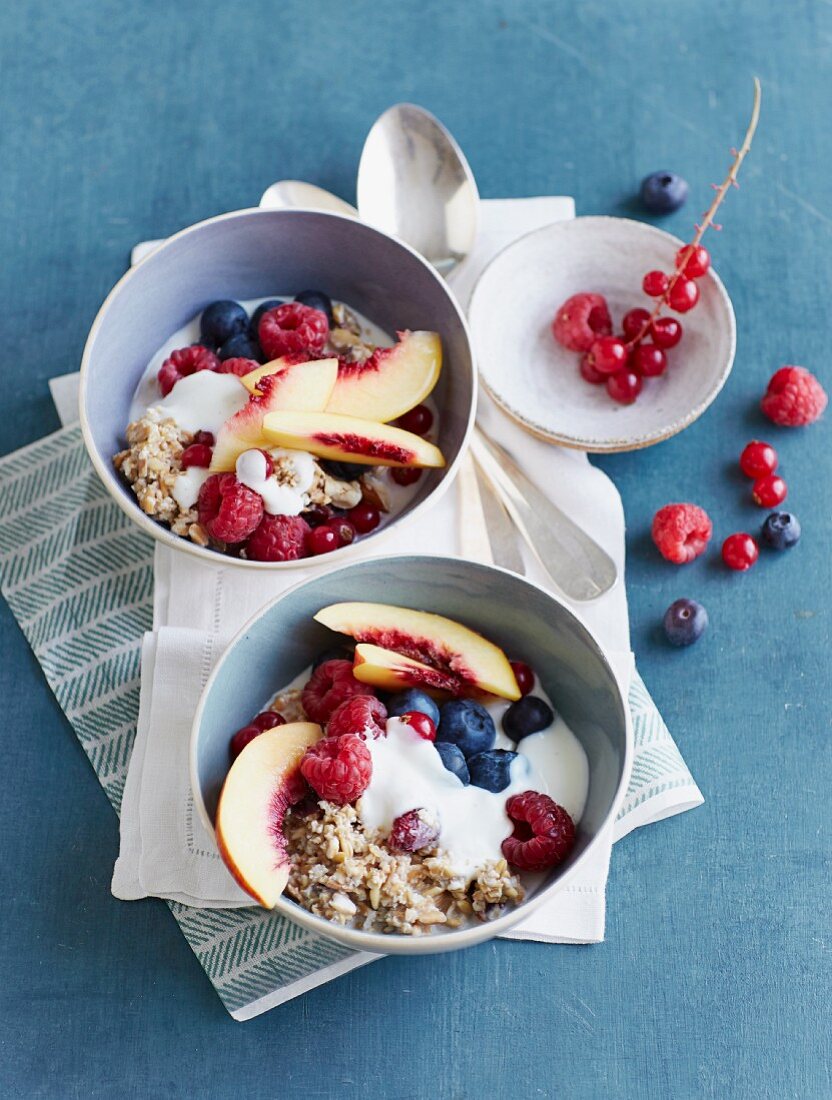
[
  {"x": 349, "y": 439},
  {"x": 391, "y": 671},
  {"x": 302, "y": 386},
  {"x": 253, "y": 802},
  {"x": 391, "y": 381},
  {"x": 303, "y": 379},
  {"x": 433, "y": 640}
]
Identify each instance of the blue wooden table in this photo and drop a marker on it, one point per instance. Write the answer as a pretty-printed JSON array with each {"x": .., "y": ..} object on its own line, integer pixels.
[{"x": 121, "y": 122}]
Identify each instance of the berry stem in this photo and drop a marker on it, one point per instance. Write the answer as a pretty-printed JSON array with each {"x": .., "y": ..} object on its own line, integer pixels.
[{"x": 721, "y": 191}]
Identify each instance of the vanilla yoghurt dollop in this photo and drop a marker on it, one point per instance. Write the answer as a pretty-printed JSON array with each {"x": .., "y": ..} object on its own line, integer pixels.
[
  {"x": 280, "y": 497},
  {"x": 203, "y": 402}
]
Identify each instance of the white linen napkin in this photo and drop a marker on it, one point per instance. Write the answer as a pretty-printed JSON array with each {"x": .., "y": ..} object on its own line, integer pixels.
[{"x": 165, "y": 851}]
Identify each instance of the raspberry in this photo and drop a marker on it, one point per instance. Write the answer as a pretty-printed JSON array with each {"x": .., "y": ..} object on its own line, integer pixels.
[
  {"x": 794, "y": 397},
  {"x": 544, "y": 833},
  {"x": 413, "y": 831},
  {"x": 421, "y": 723},
  {"x": 278, "y": 538},
  {"x": 581, "y": 320},
  {"x": 183, "y": 362},
  {"x": 228, "y": 510},
  {"x": 681, "y": 532},
  {"x": 338, "y": 769},
  {"x": 330, "y": 685},
  {"x": 240, "y": 367},
  {"x": 363, "y": 715},
  {"x": 198, "y": 454},
  {"x": 292, "y": 327}
]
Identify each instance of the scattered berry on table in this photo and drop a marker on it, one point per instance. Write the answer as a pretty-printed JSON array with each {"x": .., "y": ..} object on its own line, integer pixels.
[
  {"x": 322, "y": 540},
  {"x": 334, "y": 653},
  {"x": 608, "y": 354},
  {"x": 681, "y": 532},
  {"x": 544, "y": 833},
  {"x": 410, "y": 700},
  {"x": 684, "y": 622},
  {"x": 228, "y": 510},
  {"x": 697, "y": 263},
  {"x": 588, "y": 371},
  {"x": 241, "y": 346},
  {"x": 581, "y": 320},
  {"x": 467, "y": 724},
  {"x": 794, "y": 397},
  {"x": 418, "y": 420},
  {"x": 291, "y": 328},
  {"x": 330, "y": 684},
  {"x": 655, "y": 283},
  {"x": 278, "y": 538},
  {"x": 684, "y": 294},
  {"x": 758, "y": 459},
  {"x": 769, "y": 491},
  {"x": 267, "y": 720},
  {"x": 422, "y": 723},
  {"x": 338, "y": 769},
  {"x": 222, "y": 320},
  {"x": 344, "y": 471},
  {"x": 739, "y": 551},
  {"x": 491, "y": 770},
  {"x": 413, "y": 831},
  {"x": 666, "y": 332},
  {"x": 184, "y": 362},
  {"x": 524, "y": 675},
  {"x": 406, "y": 475},
  {"x": 780, "y": 530},
  {"x": 363, "y": 715},
  {"x": 633, "y": 322},
  {"x": 624, "y": 386},
  {"x": 526, "y": 716},
  {"x": 198, "y": 454},
  {"x": 364, "y": 517},
  {"x": 454, "y": 760},
  {"x": 649, "y": 360},
  {"x": 663, "y": 192},
  {"x": 239, "y": 366},
  {"x": 316, "y": 299}
]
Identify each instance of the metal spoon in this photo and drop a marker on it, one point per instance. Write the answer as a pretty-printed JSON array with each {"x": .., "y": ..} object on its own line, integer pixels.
[{"x": 286, "y": 194}]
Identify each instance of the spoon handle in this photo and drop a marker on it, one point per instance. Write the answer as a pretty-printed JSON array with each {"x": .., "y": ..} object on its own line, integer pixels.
[{"x": 574, "y": 561}]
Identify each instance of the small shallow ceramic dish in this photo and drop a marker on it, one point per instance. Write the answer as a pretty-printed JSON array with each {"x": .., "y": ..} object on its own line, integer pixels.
[
  {"x": 525, "y": 620},
  {"x": 536, "y": 381},
  {"x": 251, "y": 254}
]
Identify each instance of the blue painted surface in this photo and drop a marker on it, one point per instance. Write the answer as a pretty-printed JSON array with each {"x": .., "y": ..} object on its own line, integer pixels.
[{"x": 123, "y": 122}]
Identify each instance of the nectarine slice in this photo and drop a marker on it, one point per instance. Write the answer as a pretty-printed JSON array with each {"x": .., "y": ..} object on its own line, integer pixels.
[
  {"x": 433, "y": 640},
  {"x": 391, "y": 381},
  {"x": 349, "y": 439},
  {"x": 391, "y": 671},
  {"x": 253, "y": 803},
  {"x": 307, "y": 395}
]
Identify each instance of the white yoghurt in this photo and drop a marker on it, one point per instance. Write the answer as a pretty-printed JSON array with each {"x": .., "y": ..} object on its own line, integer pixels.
[
  {"x": 187, "y": 485},
  {"x": 278, "y": 500},
  {"x": 204, "y": 401}
]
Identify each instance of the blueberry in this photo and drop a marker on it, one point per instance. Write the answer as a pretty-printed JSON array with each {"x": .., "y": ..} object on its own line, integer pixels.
[
  {"x": 413, "y": 700},
  {"x": 344, "y": 471},
  {"x": 527, "y": 715},
  {"x": 316, "y": 299},
  {"x": 222, "y": 320},
  {"x": 466, "y": 724},
  {"x": 663, "y": 192},
  {"x": 241, "y": 346},
  {"x": 781, "y": 530},
  {"x": 334, "y": 653},
  {"x": 264, "y": 307},
  {"x": 491, "y": 770},
  {"x": 684, "y": 622},
  {"x": 453, "y": 760}
]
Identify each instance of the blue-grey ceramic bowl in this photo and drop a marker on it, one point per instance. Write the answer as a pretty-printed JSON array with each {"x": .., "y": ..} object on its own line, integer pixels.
[
  {"x": 250, "y": 254},
  {"x": 526, "y": 621}
]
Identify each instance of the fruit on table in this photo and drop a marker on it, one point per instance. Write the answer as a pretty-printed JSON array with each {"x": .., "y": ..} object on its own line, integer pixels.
[
  {"x": 769, "y": 491},
  {"x": 433, "y": 639},
  {"x": 389, "y": 671},
  {"x": 780, "y": 530},
  {"x": 261, "y": 785},
  {"x": 739, "y": 551},
  {"x": 663, "y": 192},
  {"x": 298, "y": 386},
  {"x": 349, "y": 439},
  {"x": 758, "y": 459},
  {"x": 468, "y": 725},
  {"x": 793, "y": 398},
  {"x": 391, "y": 381},
  {"x": 684, "y": 622}
]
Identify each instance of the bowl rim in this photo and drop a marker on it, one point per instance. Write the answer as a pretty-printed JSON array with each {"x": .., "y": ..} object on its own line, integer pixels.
[
  {"x": 162, "y": 534},
  {"x": 397, "y": 943},
  {"x": 611, "y": 445}
]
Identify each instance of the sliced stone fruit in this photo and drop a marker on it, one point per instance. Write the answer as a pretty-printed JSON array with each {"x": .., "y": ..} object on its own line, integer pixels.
[
  {"x": 390, "y": 671},
  {"x": 309, "y": 383},
  {"x": 302, "y": 386},
  {"x": 391, "y": 381},
  {"x": 261, "y": 785},
  {"x": 350, "y": 439},
  {"x": 433, "y": 640}
]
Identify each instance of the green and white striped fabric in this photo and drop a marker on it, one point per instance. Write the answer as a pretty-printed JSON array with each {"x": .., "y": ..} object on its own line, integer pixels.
[{"x": 78, "y": 577}]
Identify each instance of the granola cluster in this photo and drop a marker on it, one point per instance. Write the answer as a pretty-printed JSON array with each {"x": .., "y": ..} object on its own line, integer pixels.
[{"x": 346, "y": 874}]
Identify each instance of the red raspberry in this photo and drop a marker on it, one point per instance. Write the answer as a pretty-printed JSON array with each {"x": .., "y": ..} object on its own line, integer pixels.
[
  {"x": 198, "y": 454},
  {"x": 240, "y": 367},
  {"x": 331, "y": 684},
  {"x": 228, "y": 510},
  {"x": 769, "y": 491},
  {"x": 183, "y": 362},
  {"x": 292, "y": 328},
  {"x": 758, "y": 459},
  {"x": 420, "y": 723},
  {"x": 794, "y": 397},
  {"x": 278, "y": 538},
  {"x": 681, "y": 532},
  {"x": 413, "y": 831},
  {"x": 338, "y": 769},
  {"x": 363, "y": 715},
  {"x": 581, "y": 320},
  {"x": 524, "y": 675},
  {"x": 544, "y": 833}
]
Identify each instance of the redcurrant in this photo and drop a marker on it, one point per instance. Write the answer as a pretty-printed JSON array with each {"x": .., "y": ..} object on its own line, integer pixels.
[
  {"x": 344, "y": 530},
  {"x": 524, "y": 675},
  {"x": 655, "y": 283},
  {"x": 758, "y": 459},
  {"x": 418, "y": 420},
  {"x": 198, "y": 454},
  {"x": 624, "y": 387},
  {"x": 769, "y": 491},
  {"x": 697, "y": 262},
  {"x": 322, "y": 540},
  {"x": 588, "y": 371},
  {"x": 649, "y": 361},
  {"x": 633, "y": 322},
  {"x": 666, "y": 332},
  {"x": 406, "y": 475},
  {"x": 740, "y": 551},
  {"x": 608, "y": 354},
  {"x": 364, "y": 517},
  {"x": 684, "y": 295}
]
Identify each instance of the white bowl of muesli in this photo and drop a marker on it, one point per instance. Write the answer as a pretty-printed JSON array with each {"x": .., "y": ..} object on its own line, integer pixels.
[
  {"x": 430, "y": 759},
  {"x": 276, "y": 385}
]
